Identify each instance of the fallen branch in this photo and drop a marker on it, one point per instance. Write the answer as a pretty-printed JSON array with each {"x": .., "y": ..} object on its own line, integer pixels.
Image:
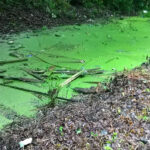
[
  {"x": 71, "y": 72},
  {"x": 2, "y": 62},
  {"x": 32, "y": 74}
]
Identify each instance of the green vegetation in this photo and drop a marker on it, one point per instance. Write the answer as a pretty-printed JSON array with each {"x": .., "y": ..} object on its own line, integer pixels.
[
  {"x": 127, "y": 6},
  {"x": 61, "y": 7},
  {"x": 61, "y": 130}
]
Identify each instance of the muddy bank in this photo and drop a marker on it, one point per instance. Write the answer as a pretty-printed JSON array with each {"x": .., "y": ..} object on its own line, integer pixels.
[{"x": 115, "y": 118}]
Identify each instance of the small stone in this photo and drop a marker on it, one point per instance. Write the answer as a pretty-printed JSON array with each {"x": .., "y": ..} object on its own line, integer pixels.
[{"x": 104, "y": 132}]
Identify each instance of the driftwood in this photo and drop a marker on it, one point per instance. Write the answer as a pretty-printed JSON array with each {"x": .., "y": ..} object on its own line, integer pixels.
[
  {"x": 19, "y": 79},
  {"x": 3, "y": 62}
]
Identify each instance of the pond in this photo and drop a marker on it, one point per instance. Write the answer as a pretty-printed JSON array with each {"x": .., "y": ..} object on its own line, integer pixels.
[{"x": 117, "y": 45}]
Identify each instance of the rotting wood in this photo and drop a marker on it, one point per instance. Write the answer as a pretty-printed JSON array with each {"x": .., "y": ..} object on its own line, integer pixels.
[{"x": 3, "y": 62}]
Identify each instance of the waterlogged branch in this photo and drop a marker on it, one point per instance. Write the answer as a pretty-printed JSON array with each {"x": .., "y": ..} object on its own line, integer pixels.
[{"x": 3, "y": 62}]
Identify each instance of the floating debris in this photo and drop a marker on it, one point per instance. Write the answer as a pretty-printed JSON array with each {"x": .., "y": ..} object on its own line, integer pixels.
[{"x": 25, "y": 142}]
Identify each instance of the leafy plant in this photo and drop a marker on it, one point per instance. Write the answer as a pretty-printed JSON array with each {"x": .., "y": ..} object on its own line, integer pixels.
[
  {"x": 114, "y": 136},
  {"x": 78, "y": 131},
  {"x": 91, "y": 3},
  {"x": 61, "y": 7},
  {"x": 61, "y": 130},
  {"x": 122, "y": 6},
  {"x": 53, "y": 87},
  {"x": 94, "y": 134},
  {"x": 107, "y": 147}
]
